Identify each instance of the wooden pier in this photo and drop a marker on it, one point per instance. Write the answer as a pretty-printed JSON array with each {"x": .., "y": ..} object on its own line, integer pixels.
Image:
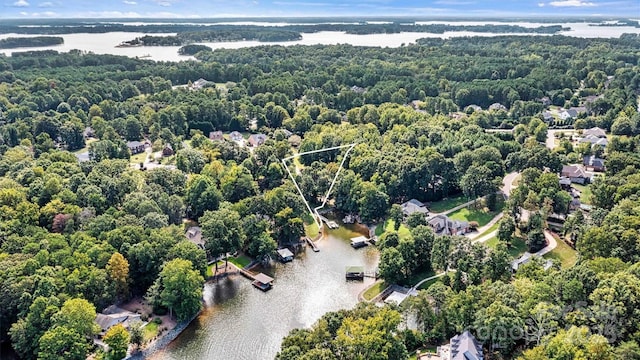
[{"x": 313, "y": 245}]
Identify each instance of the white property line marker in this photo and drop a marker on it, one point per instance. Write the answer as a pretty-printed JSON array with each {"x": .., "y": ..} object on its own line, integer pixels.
[{"x": 314, "y": 212}]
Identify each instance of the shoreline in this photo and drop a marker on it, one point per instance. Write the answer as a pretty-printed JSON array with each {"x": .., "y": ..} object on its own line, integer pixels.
[{"x": 164, "y": 341}]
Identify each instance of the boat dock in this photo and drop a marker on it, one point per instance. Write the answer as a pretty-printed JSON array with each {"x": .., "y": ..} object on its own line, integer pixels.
[
  {"x": 354, "y": 273},
  {"x": 358, "y": 273},
  {"x": 263, "y": 282},
  {"x": 285, "y": 255},
  {"x": 313, "y": 245},
  {"x": 358, "y": 242},
  {"x": 330, "y": 223}
]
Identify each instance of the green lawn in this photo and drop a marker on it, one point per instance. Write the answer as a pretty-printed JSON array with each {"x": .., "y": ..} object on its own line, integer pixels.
[
  {"x": 492, "y": 228},
  {"x": 311, "y": 229},
  {"x": 86, "y": 146},
  {"x": 388, "y": 224},
  {"x": 240, "y": 261},
  {"x": 138, "y": 158},
  {"x": 564, "y": 253},
  {"x": 374, "y": 290},
  {"x": 479, "y": 215},
  {"x": 518, "y": 246},
  {"x": 585, "y": 193},
  {"x": 447, "y": 203},
  {"x": 150, "y": 330},
  {"x": 417, "y": 277},
  {"x": 212, "y": 267},
  {"x": 168, "y": 160},
  {"x": 425, "y": 285}
]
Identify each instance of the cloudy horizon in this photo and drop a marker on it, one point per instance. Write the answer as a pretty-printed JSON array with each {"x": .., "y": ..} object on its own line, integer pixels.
[{"x": 310, "y": 8}]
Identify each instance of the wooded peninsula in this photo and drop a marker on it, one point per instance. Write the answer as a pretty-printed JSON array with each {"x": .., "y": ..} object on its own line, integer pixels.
[{"x": 36, "y": 41}]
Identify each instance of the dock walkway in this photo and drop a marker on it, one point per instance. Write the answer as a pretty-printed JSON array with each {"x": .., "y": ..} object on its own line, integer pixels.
[
  {"x": 313, "y": 245},
  {"x": 331, "y": 224}
]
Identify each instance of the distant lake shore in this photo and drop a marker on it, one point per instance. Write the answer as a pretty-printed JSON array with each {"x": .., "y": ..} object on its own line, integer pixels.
[{"x": 105, "y": 43}]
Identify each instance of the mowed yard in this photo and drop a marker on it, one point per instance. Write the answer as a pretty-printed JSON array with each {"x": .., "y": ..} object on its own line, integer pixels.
[
  {"x": 388, "y": 226},
  {"x": 481, "y": 215}
]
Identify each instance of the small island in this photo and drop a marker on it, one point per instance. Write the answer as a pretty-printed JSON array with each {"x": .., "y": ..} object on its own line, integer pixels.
[{"x": 36, "y": 41}]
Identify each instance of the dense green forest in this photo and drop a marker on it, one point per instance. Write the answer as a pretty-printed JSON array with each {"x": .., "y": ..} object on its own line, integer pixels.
[
  {"x": 18, "y": 42},
  {"x": 84, "y": 235}
]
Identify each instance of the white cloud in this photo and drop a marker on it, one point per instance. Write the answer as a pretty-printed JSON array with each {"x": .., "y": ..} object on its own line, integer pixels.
[
  {"x": 45, "y": 4},
  {"x": 165, "y": 3},
  {"x": 24, "y": 13},
  {"x": 541, "y": 4},
  {"x": 21, "y": 3},
  {"x": 571, "y": 3},
  {"x": 127, "y": 2}
]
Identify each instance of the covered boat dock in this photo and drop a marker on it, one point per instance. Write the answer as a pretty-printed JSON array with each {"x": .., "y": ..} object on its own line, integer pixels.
[
  {"x": 354, "y": 273},
  {"x": 285, "y": 255},
  {"x": 262, "y": 282}
]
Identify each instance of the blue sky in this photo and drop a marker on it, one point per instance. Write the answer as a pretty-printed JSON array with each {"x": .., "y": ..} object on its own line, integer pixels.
[{"x": 290, "y": 8}]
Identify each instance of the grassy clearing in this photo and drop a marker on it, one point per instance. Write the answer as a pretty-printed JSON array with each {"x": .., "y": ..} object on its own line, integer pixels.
[
  {"x": 564, "y": 253},
  {"x": 150, "y": 330},
  {"x": 168, "y": 160},
  {"x": 212, "y": 267},
  {"x": 311, "y": 229},
  {"x": 388, "y": 226},
  {"x": 86, "y": 146},
  {"x": 425, "y": 285},
  {"x": 447, "y": 203},
  {"x": 585, "y": 193},
  {"x": 240, "y": 261},
  {"x": 480, "y": 216},
  {"x": 138, "y": 158},
  {"x": 374, "y": 290},
  {"x": 417, "y": 277},
  {"x": 518, "y": 246},
  {"x": 492, "y": 228}
]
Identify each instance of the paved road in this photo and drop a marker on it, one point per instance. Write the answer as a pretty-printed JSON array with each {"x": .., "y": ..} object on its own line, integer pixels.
[
  {"x": 507, "y": 182},
  {"x": 416, "y": 286},
  {"x": 552, "y": 243}
]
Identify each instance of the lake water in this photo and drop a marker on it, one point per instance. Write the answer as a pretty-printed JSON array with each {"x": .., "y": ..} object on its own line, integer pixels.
[
  {"x": 105, "y": 43},
  {"x": 242, "y": 322}
]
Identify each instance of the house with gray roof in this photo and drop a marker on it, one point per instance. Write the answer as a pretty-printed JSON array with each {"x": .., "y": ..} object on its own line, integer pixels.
[
  {"x": 136, "y": 147},
  {"x": 575, "y": 173},
  {"x": 595, "y": 131},
  {"x": 593, "y": 163},
  {"x": 413, "y": 206},
  {"x": 462, "y": 347},
  {"x": 256, "y": 140},
  {"x": 594, "y": 140},
  {"x": 497, "y": 106},
  {"x": 235, "y": 136},
  {"x": 443, "y": 225}
]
